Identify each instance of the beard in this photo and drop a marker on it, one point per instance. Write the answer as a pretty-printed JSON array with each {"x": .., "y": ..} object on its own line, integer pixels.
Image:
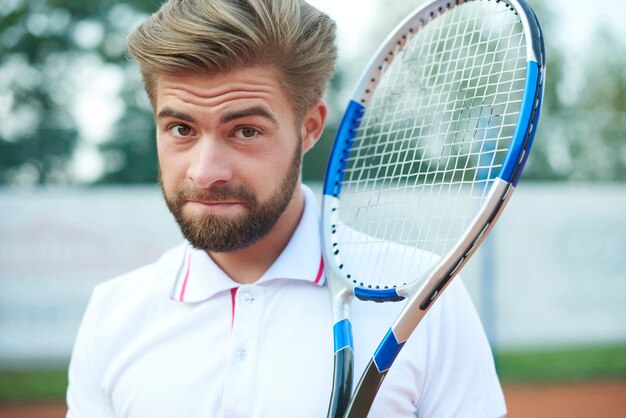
[{"x": 215, "y": 233}]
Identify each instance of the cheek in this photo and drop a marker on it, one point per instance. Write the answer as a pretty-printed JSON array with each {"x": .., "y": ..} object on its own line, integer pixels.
[
  {"x": 275, "y": 172},
  {"x": 172, "y": 169}
]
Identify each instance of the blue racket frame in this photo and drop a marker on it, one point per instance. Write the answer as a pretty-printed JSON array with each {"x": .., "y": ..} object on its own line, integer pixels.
[{"x": 421, "y": 298}]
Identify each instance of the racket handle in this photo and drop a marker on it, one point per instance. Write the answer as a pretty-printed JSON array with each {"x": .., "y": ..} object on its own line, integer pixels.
[
  {"x": 365, "y": 392},
  {"x": 342, "y": 382}
]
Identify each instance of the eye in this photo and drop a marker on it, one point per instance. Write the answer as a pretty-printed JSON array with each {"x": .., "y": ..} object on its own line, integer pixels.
[
  {"x": 180, "y": 130},
  {"x": 246, "y": 133}
]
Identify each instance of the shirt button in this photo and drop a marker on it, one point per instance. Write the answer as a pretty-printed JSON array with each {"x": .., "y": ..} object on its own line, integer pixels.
[
  {"x": 241, "y": 355},
  {"x": 247, "y": 298}
]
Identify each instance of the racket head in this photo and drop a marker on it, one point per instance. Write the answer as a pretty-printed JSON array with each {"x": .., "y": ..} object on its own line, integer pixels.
[{"x": 432, "y": 142}]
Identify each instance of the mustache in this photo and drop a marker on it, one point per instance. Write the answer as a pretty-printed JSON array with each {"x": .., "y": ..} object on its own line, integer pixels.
[{"x": 222, "y": 193}]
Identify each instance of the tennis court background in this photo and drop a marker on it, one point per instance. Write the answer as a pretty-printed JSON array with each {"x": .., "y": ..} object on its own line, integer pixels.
[
  {"x": 552, "y": 274},
  {"x": 564, "y": 288}
]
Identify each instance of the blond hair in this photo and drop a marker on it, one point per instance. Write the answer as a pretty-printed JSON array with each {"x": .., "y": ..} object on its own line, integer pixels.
[{"x": 209, "y": 36}]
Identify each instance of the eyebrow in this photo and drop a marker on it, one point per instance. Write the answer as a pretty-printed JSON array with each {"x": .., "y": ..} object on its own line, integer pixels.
[
  {"x": 171, "y": 113},
  {"x": 251, "y": 111},
  {"x": 229, "y": 117}
]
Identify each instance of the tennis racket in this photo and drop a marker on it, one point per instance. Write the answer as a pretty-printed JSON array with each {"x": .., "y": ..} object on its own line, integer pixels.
[{"x": 428, "y": 152}]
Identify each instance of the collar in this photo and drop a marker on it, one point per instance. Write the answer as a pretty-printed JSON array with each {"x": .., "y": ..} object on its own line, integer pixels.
[{"x": 199, "y": 278}]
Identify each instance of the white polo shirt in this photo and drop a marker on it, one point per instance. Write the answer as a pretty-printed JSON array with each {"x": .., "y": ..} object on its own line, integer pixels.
[{"x": 179, "y": 338}]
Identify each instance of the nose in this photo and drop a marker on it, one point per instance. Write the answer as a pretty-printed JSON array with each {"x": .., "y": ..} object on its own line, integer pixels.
[{"x": 210, "y": 163}]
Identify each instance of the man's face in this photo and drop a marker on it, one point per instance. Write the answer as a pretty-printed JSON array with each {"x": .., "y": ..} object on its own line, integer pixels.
[{"x": 229, "y": 155}]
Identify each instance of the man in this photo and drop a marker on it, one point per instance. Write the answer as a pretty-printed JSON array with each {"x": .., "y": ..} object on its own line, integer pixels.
[{"x": 236, "y": 321}]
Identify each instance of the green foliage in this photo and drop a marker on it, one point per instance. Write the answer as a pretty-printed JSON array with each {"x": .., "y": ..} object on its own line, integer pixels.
[
  {"x": 582, "y": 131},
  {"x": 38, "y": 135},
  {"x": 598, "y": 146},
  {"x": 29, "y": 385},
  {"x": 315, "y": 161},
  {"x": 131, "y": 155},
  {"x": 539, "y": 166},
  {"x": 43, "y": 48},
  {"x": 46, "y": 46},
  {"x": 568, "y": 364}
]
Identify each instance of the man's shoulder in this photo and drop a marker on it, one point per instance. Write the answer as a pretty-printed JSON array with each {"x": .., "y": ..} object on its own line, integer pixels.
[
  {"x": 123, "y": 309},
  {"x": 143, "y": 282}
]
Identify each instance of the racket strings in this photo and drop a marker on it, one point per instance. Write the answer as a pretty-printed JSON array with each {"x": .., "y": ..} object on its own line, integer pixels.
[{"x": 431, "y": 142}]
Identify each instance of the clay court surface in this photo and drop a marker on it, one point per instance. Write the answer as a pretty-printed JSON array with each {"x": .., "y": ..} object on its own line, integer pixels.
[{"x": 593, "y": 400}]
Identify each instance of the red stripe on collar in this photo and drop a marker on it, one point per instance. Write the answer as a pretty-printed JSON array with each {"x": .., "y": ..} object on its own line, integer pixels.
[
  {"x": 320, "y": 271},
  {"x": 181, "y": 297},
  {"x": 233, "y": 298}
]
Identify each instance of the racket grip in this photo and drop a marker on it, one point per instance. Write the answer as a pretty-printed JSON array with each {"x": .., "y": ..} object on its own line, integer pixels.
[
  {"x": 342, "y": 383},
  {"x": 366, "y": 391}
]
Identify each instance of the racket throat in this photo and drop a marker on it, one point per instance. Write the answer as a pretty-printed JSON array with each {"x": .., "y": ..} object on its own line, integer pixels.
[
  {"x": 366, "y": 391},
  {"x": 343, "y": 375}
]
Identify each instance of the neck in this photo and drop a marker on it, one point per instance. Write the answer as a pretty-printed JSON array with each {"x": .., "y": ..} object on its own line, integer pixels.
[{"x": 247, "y": 265}]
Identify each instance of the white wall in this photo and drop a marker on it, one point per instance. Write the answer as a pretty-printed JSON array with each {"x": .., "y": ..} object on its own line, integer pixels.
[
  {"x": 560, "y": 266},
  {"x": 557, "y": 263}
]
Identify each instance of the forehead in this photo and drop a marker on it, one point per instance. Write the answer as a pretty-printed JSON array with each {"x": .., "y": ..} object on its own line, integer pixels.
[{"x": 256, "y": 86}]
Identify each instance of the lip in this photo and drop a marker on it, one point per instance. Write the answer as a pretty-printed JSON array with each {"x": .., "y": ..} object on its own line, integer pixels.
[{"x": 213, "y": 204}]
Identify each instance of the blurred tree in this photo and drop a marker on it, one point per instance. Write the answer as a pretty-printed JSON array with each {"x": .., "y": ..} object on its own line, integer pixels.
[
  {"x": 130, "y": 155},
  {"x": 316, "y": 160},
  {"x": 596, "y": 127},
  {"x": 539, "y": 166},
  {"x": 582, "y": 129},
  {"x": 49, "y": 48},
  {"x": 546, "y": 160},
  {"x": 43, "y": 46},
  {"x": 350, "y": 64}
]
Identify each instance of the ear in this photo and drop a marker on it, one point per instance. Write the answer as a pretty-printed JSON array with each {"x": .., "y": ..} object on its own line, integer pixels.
[{"x": 313, "y": 125}]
